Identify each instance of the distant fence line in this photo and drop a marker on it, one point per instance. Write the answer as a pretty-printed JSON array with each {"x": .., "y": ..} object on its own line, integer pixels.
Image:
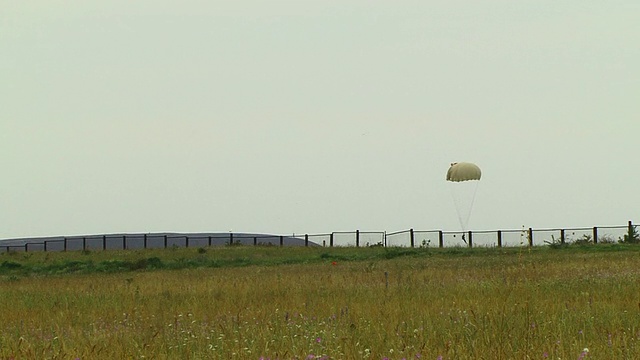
[{"x": 405, "y": 238}]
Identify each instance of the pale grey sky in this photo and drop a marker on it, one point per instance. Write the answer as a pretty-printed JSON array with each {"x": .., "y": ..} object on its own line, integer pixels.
[{"x": 315, "y": 116}]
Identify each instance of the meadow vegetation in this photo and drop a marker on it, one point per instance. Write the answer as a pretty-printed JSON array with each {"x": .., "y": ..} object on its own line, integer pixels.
[{"x": 242, "y": 302}]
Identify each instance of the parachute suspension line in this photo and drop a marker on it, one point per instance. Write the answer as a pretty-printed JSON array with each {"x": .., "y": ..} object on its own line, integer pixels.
[
  {"x": 464, "y": 195},
  {"x": 473, "y": 199},
  {"x": 458, "y": 204}
]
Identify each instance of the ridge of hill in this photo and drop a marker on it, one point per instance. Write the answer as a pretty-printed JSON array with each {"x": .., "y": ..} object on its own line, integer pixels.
[{"x": 150, "y": 240}]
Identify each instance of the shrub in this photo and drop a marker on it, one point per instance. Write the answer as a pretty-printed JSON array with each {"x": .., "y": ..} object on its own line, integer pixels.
[
  {"x": 606, "y": 239},
  {"x": 586, "y": 239},
  {"x": 632, "y": 236},
  {"x": 9, "y": 265},
  {"x": 556, "y": 243}
]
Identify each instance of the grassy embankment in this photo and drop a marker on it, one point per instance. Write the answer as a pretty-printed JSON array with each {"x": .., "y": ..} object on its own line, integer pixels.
[{"x": 288, "y": 303}]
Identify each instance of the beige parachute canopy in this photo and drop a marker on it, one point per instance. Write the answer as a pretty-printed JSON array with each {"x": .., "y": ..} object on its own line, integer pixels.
[{"x": 463, "y": 171}]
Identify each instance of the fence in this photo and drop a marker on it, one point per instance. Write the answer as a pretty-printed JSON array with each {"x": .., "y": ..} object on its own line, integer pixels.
[{"x": 357, "y": 238}]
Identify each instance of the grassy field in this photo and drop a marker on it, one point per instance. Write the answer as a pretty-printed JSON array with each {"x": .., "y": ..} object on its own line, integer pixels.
[{"x": 576, "y": 302}]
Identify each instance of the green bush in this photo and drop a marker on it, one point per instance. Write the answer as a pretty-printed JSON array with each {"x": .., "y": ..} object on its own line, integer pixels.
[
  {"x": 10, "y": 265},
  {"x": 631, "y": 237}
]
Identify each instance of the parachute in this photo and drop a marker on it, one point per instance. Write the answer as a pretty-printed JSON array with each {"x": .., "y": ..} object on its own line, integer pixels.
[
  {"x": 463, "y": 171},
  {"x": 464, "y": 179}
]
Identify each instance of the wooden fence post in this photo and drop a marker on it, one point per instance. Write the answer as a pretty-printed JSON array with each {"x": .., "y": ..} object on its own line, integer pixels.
[
  {"x": 499, "y": 238},
  {"x": 595, "y": 234},
  {"x": 306, "y": 239},
  {"x": 562, "y": 236},
  {"x": 470, "y": 238},
  {"x": 230, "y": 238},
  {"x": 331, "y": 240},
  {"x": 281, "y": 240},
  {"x": 357, "y": 238},
  {"x": 440, "y": 238},
  {"x": 65, "y": 243},
  {"x": 411, "y": 234},
  {"x": 165, "y": 241},
  {"x": 187, "y": 241},
  {"x": 530, "y": 237},
  {"x": 104, "y": 242},
  {"x": 124, "y": 242},
  {"x": 145, "y": 241},
  {"x": 84, "y": 243}
]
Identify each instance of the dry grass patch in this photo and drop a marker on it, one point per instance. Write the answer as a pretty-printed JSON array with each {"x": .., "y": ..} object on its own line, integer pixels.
[{"x": 484, "y": 305}]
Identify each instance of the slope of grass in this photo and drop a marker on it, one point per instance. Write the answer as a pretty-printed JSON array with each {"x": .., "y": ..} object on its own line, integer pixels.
[{"x": 51, "y": 263}]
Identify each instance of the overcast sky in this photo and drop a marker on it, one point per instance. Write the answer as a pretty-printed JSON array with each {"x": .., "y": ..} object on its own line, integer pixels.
[{"x": 316, "y": 116}]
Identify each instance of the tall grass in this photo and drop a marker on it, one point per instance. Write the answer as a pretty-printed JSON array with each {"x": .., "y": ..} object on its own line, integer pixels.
[{"x": 332, "y": 304}]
